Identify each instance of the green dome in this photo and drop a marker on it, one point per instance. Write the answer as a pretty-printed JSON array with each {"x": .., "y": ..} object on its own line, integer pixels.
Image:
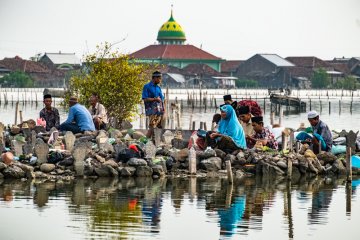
[{"x": 171, "y": 31}]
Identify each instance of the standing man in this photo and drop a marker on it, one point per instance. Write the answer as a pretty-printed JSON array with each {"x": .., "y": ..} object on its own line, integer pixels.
[
  {"x": 320, "y": 128},
  {"x": 234, "y": 104},
  {"x": 79, "y": 119},
  {"x": 50, "y": 114},
  {"x": 154, "y": 102},
  {"x": 98, "y": 112}
]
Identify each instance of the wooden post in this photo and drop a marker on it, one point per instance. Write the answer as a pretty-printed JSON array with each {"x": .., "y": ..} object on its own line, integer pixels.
[
  {"x": 229, "y": 191},
  {"x": 191, "y": 117},
  {"x": 205, "y": 128},
  {"x": 348, "y": 189},
  {"x": 291, "y": 147},
  {"x": 178, "y": 119},
  {"x": 289, "y": 168},
  {"x": 192, "y": 161},
  {"x": 264, "y": 105},
  {"x": 310, "y": 104},
  {"x": 283, "y": 141},
  {"x": 329, "y": 107},
  {"x": 339, "y": 107},
  {"x": 16, "y": 111},
  {"x": 201, "y": 125},
  {"x": 289, "y": 211},
  {"x": 193, "y": 125},
  {"x": 272, "y": 114},
  {"x": 21, "y": 117},
  {"x": 281, "y": 114},
  {"x": 320, "y": 106},
  {"x": 229, "y": 171},
  {"x": 348, "y": 164}
]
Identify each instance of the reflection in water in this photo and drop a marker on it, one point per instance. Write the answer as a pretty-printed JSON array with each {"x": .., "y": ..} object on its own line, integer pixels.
[{"x": 135, "y": 208}]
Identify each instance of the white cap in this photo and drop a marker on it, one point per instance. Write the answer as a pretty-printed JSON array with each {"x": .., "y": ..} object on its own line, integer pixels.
[{"x": 312, "y": 114}]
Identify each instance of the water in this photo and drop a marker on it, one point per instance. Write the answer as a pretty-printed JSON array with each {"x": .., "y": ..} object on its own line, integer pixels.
[
  {"x": 338, "y": 118},
  {"x": 253, "y": 208}
]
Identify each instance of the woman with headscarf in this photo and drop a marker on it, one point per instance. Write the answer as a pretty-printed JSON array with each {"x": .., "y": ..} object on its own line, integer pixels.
[{"x": 230, "y": 135}]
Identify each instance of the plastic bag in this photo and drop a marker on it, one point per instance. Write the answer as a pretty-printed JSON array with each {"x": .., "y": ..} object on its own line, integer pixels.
[{"x": 41, "y": 122}]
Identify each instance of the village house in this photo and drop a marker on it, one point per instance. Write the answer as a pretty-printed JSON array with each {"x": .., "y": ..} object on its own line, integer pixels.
[
  {"x": 61, "y": 61},
  {"x": 266, "y": 69},
  {"x": 40, "y": 73}
]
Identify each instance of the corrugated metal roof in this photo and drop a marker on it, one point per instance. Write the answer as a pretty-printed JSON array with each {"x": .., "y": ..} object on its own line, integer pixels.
[
  {"x": 177, "y": 77},
  {"x": 62, "y": 58},
  {"x": 277, "y": 60}
]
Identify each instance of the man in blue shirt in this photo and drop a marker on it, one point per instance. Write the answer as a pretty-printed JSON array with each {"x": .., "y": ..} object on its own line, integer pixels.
[
  {"x": 154, "y": 102},
  {"x": 79, "y": 119}
]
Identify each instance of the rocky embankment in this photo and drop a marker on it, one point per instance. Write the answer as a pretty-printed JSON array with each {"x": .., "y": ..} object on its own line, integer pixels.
[{"x": 128, "y": 153}]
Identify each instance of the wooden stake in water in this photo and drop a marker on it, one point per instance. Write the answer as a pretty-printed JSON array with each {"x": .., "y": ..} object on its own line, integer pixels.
[
  {"x": 16, "y": 112},
  {"x": 21, "y": 117},
  {"x": 348, "y": 164},
  {"x": 229, "y": 171},
  {"x": 192, "y": 161}
]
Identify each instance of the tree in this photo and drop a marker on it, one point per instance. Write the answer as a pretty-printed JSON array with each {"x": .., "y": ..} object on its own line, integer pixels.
[
  {"x": 115, "y": 78},
  {"x": 17, "y": 79},
  {"x": 246, "y": 83},
  {"x": 349, "y": 83},
  {"x": 320, "y": 79}
]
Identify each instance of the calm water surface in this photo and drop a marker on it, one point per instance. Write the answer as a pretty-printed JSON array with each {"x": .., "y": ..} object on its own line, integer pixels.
[{"x": 253, "y": 208}]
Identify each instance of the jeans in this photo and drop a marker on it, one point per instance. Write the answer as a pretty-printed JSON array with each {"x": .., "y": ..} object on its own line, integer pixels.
[{"x": 72, "y": 127}]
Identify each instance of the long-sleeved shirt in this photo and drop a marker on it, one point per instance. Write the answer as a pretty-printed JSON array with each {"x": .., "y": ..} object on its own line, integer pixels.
[
  {"x": 152, "y": 90},
  {"x": 81, "y": 116},
  {"x": 98, "y": 111},
  {"x": 265, "y": 135},
  {"x": 323, "y": 130},
  {"x": 51, "y": 116}
]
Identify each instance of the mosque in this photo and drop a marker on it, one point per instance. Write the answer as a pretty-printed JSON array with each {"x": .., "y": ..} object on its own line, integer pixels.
[{"x": 171, "y": 49}]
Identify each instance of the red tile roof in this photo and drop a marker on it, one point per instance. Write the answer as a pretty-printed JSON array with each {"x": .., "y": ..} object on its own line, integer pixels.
[
  {"x": 19, "y": 64},
  {"x": 201, "y": 69},
  {"x": 309, "y": 62},
  {"x": 173, "y": 52},
  {"x": 230, "y": 66}
]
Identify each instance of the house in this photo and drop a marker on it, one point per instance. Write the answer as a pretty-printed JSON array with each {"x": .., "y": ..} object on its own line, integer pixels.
[
  {"x": 229, "y": 67},
  {"x": 62, "y": 61},
  {"x": 265, "y": 69},
  {"x": 315, "y": 64},
  {"x": 40, "y": 73}
]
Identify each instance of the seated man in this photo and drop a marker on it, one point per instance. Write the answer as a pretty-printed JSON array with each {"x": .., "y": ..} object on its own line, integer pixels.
[
  {"x": 320, "y": 128},
  {"x": 98, "y": 112},
  {"x": 262, "y": 134},
  {"x": 245, "y": 120},
  {"x": 79, "y": 119},
  {"x": 50, "y": 114}
]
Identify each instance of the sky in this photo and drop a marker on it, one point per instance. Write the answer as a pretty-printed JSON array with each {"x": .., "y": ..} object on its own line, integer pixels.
[{"x": 230, "y": 29}]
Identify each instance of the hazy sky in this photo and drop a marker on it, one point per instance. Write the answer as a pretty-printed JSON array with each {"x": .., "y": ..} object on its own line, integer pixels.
[{"x": 230, "y": 29}]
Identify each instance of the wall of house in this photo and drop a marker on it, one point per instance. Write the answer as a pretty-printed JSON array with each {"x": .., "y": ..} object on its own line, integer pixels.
[{"x": 259, "y": 69}]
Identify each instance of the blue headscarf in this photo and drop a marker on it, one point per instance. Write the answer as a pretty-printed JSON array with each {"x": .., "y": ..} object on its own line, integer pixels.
[{"x": 231, "y": 127}]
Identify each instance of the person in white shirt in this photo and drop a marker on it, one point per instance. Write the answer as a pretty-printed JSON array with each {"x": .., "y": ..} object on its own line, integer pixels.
[{"x": 98, "y": 112}]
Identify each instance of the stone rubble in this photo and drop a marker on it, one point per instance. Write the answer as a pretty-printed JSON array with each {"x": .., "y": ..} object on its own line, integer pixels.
[{"x": 99, "y": 154}]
